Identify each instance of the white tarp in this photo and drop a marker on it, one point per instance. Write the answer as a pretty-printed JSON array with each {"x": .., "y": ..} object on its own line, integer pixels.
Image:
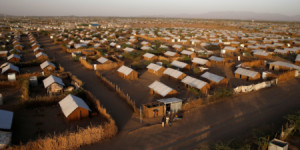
[{"x": 255, "y": 87}]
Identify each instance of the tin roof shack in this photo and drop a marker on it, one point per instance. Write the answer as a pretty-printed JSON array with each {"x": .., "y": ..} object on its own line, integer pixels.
[
  {"x": 161, "y": 89},
  {"x": 153, "y": 110},
  {"x": 246, "y": 74},
  {"x": 196, "y": 83},
  {"x": 215, "y": 79},
  {"x": 297, "y": 60},
  {"x": 230, "y": 50},
  {"x": 54, "y": 85},
  {"x": 18, "y": 47},
  {"x": 74, "y": 108},
  {"x": 156, "y": 69},
  {"x": 276, "y": 144},
  {"x": 218, "y": 60},
  {"x": 47, "y": 66},
  {"x": 190, "y": 54},
  {"x": 103, "y": 60},
  {"x": 149, "y": 57},
  {"x": 261, "y": 54},
  {"x": 280, "y": 66},
  {"x": 171, "y": 54},
  {"x": 128, "y": 49},
  {"x": 180, "y": 64},
  {"x": 171, "y": 105},
  {"x": 13, "y": 58},
  {"x": 6, "y": 119},
  {"x": 37, "y": 50},
  {"x": 7, "y": 68},
  {"x": 200, "y": 61},
  {"x": 3, "y": 53},
  {"x": 174, "y": 73},
  {"x": 127, "y": 73},
  {"x": 41, "y": 56}
]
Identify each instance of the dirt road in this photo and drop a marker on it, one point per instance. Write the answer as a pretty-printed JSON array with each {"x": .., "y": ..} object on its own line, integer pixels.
[
  {"x": 119, "y": 110},
  {"x": 230, "y": 118}
]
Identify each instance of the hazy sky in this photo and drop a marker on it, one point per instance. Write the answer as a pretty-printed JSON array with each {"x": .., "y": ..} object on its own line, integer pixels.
[{"x": 143, "y": 7}]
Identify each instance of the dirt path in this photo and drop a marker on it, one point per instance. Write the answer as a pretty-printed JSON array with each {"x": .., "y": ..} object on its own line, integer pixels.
[
  {"x": 231, "y": 118},
  {"x": 119, "y": 110}
]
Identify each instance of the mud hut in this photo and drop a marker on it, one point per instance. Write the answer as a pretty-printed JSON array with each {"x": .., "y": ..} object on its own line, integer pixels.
[
  {"x": 156, "y": 69},
  {"x": 54, "y": 85},
  {"x": 214, "y": 79},
  {"x": 196, "y": 83},
  {"x": 74, "y": 108},
  {"x": 127, "y": 73},
  {"x": 161, "y": 89},
  {"x": 246, "y": 74},
  {"x": 47, "y": 66},
  {"x": 176, "y": 74}
]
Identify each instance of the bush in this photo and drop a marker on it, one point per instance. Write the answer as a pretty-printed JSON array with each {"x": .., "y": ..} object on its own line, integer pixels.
[{"x": 221, "y": 93}]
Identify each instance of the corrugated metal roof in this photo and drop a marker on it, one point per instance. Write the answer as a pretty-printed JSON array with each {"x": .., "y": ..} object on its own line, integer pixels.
[
  {"x": 71, "y": 103},
  {"x": 212, "y": 77},
  {"x": 160, "y": 88},
  {"x": 6, "y": 118},
  {"x": 10, "y": 66},
  {"x": 40, "y": 54},
  {"x": 179, "y": 64},
  {"x": 102, "y": 60},
  {"x": 196, "y": 83},
  {"x": 246, "y": 72},
  {"x": 229, "y": 48},
  {"x": 13, "y": 56},
  {"x": 261, "y": 53},
  {"x": 199, "y": 61},
  {"x": 148, "y": 55},
  {"x": 215, "y": 58},
  {"x": 173, "y": 73},
  {"x": 128, "y": 49},
  {"x": 285, "y": 64},
  {"x": 170, "y": 100},
  {"x": 186, "y": 52},
  {"x": 154, "y": 67},
  {"x": 170, "y": 53},
  {"x": 125, "y": 70},
  {"x": 46, "y": 63},
  {"x": 52, "y": 79}
]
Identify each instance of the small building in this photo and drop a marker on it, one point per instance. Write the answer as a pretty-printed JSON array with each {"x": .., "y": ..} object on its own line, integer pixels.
[
  {"x": 127, "y": 73},
  {"x": 6, "y": 120},
  {"x": 13, "y": 58},
  {"x": 200, "y": 61},
  {"x": 180, "y": 64},
  {"x": 149, "y": 57},
  {"x": 215, "y": 59},
  {"x": 47, "y": 66},
  {"x": 261, "y": 54},
  {"x": 156, "y": 69},
  {"x": 103, "y": 60},
  {"x": 230, "y": 50},
  {"x": 242, "y": 73},
  {"x": 37, "y": 50},
  {"x": 176, "y": 74},
  {"x": 171, "y": 105},
  {"x": 214, "y": 79},
  {"x": 128, "y": 49},
  {"x": 280, "y": 65},
  {"x": 18, "y": 47},
  {"x": 161, "y": 89},
  {"x": 54, "y": 85},
  {"x": 297, "y": 60},
  {"x": 9, "y": 68},
  {"x": 153, "y": 109},
  {"x": 190, "y": 54},
  {"x": 196, "y": 83},
  {"x": 277, "y": 144},
  {"x": 171, "y": 54},
  {"x": 3, "y": 53},
  {"x": 41, "y": 56},
  {"x": 74, "y": 108}
]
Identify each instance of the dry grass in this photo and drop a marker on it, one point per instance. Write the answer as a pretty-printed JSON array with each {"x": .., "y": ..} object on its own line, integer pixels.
[
  {"x": 192, "y": 104},
  {"x": 86, "y": 64},
  {"x": 286, "y": 76}
]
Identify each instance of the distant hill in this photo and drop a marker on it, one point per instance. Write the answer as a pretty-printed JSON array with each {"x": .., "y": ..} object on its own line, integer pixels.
[{"x": 237, "y": 15}]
